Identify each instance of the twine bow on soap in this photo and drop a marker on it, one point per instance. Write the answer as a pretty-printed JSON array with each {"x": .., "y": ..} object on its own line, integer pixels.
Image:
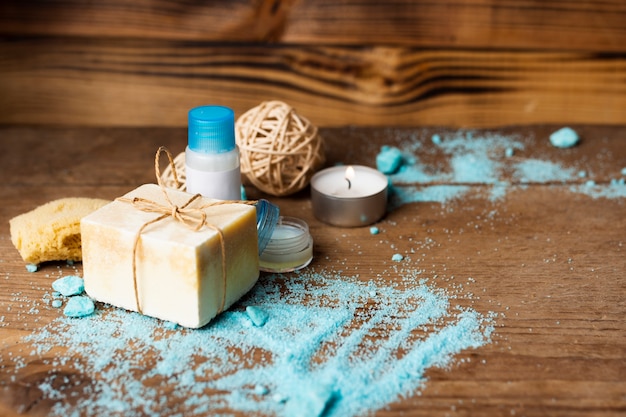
[{"x": 194, "y": 218}]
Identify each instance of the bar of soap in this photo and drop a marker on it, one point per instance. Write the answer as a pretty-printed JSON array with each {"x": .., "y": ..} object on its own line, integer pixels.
[{"x": 178, "y": 270}]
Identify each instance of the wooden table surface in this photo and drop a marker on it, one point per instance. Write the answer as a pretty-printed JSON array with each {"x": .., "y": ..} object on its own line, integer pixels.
[{"x": 548, "y": 262}]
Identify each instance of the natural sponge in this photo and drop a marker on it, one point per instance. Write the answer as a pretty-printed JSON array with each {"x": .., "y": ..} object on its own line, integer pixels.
[{"x": 51, "y": 232}]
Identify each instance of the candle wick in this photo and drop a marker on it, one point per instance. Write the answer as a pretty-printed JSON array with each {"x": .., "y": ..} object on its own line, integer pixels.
[{"x": 349, "y": 183}]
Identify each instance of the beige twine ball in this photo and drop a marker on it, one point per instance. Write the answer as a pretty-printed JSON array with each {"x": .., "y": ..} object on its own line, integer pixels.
[{"x": 280, "y": 150}]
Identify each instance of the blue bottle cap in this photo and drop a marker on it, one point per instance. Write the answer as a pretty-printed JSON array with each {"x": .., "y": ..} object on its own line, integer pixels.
[
  {"x": 211, "y": 129},
  {"x": 267, "y": 215}
]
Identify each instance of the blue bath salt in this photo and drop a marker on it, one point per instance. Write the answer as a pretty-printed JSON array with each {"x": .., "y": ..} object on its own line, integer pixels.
[
  {"x": 397, "y": 257},
  {"x": 623, "y": 171},
  {"x": 213, "y": 368},
  {"x": 590, "y": 183},
  {"x": 509, "y": 152},
  {"x": 261, "y": 390},
  {"x": 564, "y": 138},
  {"x": 69, "y": 285},
  {"x": 389, "y": 159},
  {"x": 32, "y": 267},
  {"x": 57, "y": 303},
  {"x": 311, "y": 400},
  {"x": 374, "y": 230},
  {"x": 170, "y": 325},
  {"x": 257, "y": 316},
  {"x": 436, "y": 139},
  {"x": 582, "y": 174},
  {"x": 79, "y": 306}
]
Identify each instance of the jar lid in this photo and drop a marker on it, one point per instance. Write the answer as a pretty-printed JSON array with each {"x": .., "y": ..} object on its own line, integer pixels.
[{"x": 267, "y": 216}]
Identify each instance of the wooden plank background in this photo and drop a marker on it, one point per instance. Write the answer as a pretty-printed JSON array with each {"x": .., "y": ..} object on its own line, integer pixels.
[{"x": 467, "y": 63}]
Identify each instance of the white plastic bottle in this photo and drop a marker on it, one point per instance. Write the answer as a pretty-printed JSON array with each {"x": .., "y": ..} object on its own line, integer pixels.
[{"x": 212, "y": 156}]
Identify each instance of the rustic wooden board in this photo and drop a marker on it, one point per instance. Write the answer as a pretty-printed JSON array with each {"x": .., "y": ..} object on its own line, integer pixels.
[
  {"x": 548, "y": 261},
  {"x": 590, "y": 25},
  {"x": 103, "y": 82}
]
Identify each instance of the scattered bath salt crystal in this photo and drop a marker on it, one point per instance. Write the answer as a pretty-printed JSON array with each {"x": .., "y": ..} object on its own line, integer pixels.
[
  {"x": 509, "y": 152},
  {"x": 540, "y": 171},
  {"x": 436, "y": 139},
  {"x": 582, "y": 174},
  {"x": 170, "y": 325},
  {"x": 389, "y": 159},
  {"x": 564, "y": 138},
  {"x": 397, "y": 257},
  {"x": 374, "y": 230},
  {"x": 590, "y": 183},
  {"x": 56, "y": 303},
  {"x": 612, "y": 191},
  {"x": 257, "y": 316},
  {"x": 32, "y": 267},
  {"x": 311, "y": 399},
  {"x": 279, "y": 399},
  {"x": 434, "y": 193},
  {"x": 69, "y": 285},
  {"x": 623, "y": 172},
  {"x": 261, "y": 390},
  {"x": 372, "y": 293},
  {"x": 361, "y": 375},
  {"x": 79, "y": 306}
]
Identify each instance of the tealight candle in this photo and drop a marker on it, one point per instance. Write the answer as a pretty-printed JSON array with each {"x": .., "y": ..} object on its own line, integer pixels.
[{"x": 349, "y": 196}]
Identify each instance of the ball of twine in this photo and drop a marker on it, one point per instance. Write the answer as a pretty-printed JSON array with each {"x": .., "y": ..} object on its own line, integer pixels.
[{"x": 280, "y": 150}]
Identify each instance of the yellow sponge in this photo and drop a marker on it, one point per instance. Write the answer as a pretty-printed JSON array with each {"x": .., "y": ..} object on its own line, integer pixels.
[{"x": 51, "y": 232}]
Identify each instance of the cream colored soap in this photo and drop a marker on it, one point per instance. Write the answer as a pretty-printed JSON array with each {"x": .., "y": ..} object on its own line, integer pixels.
[{"x": 178, "y": 270}]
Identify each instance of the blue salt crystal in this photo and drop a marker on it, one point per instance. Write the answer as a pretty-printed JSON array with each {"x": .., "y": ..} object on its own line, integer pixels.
[
  {"x": 564, "y": 138},
  {"x": 590, "y": 183},
  {"x": 69, "y": 285},
  {"x": 261, "y": 390},
  {"x": 170, "y": 325},
  {"x": 436, "y": 139},
  {"x": 388, "y": 159},
  {"x": 257, "y": 316},
  {"x": 311, "y": 400},
  {"x": 79, "y": 306},
  {"x": 397, "y": 257},
  {"x": 32, "y": 267},
  {"x": 582, "y": 174},
  {"x": 509, "y": 152},
  {"x": 374, "y": 230},
  {"x": 57, "y": 303}
]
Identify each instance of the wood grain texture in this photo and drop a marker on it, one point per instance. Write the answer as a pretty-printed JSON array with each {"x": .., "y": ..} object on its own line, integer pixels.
[
  {"x": 549, "y": 262},
  {"x": 96, "y": 82},
  {"x": 591, "y": 25}
]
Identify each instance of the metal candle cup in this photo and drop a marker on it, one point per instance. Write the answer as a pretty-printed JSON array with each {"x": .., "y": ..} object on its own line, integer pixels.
[{"x": 349, "y": 196}]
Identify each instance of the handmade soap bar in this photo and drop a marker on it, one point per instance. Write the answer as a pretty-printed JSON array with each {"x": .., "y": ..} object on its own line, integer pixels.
[{"x": 178, "y": 271}]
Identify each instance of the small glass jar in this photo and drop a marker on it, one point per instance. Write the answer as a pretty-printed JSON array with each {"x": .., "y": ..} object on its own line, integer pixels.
[{"x": 290, "y": 247}]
